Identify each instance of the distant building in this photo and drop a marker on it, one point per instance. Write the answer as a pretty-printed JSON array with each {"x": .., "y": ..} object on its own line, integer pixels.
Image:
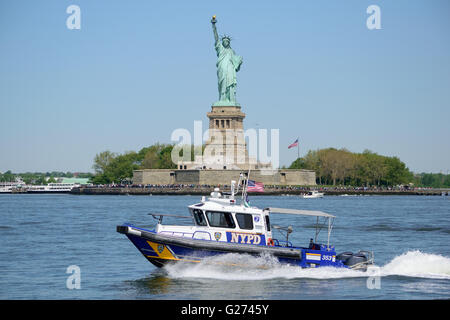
[
  {"x": 81, "y": 181},
  {"x": 222, "y": 176}
]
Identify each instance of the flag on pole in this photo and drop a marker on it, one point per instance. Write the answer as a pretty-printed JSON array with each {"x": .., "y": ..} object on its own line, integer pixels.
[
  {"x": 295, "y": 144},
  {"x": 255, "y": 186}
]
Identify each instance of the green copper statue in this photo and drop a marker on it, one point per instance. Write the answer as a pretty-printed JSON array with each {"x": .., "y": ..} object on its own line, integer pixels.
[{"x": 228, "y": 63}]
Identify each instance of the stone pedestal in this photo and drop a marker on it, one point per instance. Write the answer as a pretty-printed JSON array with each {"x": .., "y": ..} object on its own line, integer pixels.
[{"x": 226, "y": 147}]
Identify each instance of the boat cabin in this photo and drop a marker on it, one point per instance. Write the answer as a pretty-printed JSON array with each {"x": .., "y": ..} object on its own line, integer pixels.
[{"x": 219, "y": 218}]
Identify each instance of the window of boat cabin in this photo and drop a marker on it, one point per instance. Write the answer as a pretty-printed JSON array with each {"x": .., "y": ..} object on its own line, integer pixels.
[
  {"x": 199, "y": 217},
  {"x": 267, "y": 223},
  {"x": 220, "y": 219},
  {"x": 245, "y": 221}
]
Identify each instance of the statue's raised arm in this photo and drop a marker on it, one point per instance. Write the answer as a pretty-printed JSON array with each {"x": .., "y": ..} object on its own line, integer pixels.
[{"x": 213, "y": 22}]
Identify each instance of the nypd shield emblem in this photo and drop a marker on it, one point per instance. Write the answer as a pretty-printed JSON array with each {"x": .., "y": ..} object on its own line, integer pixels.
[
  {"x": 160, "y": 248},
  {"x": 217, "y": 235}
]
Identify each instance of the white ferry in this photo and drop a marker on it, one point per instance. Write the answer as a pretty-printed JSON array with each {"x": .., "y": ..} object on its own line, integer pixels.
[
  {"x": 52, "y": 188},
  {"x": 222, "y": 226},
  {"x": 8, "y": 187}
]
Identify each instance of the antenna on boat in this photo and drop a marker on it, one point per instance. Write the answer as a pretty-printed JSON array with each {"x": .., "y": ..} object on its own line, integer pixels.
[
  {"x": 244, "y": 190},
  {"x": 233, "y": 184},
  {"x": 239, "y": 183}
]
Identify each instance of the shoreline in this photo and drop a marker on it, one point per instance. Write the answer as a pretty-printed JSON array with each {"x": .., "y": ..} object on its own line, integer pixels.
[{"x": 205, "y": 191}]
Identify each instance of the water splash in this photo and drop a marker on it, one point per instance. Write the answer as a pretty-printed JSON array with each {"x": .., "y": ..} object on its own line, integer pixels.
[
  {"x": 246, "y": 267},
  {"x": 418, "y": 264}
]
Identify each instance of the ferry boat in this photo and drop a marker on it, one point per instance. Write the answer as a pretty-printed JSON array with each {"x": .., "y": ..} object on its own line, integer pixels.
[
  {"x": 8, "y": 187},
  {"x": 221, "y": 225},
  {"x": 312, "y": 194},
  {"x": 52, "y": 188}
]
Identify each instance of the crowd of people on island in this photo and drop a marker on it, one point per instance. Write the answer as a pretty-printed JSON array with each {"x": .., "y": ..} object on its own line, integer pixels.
[{"x": 266, "y": 187}]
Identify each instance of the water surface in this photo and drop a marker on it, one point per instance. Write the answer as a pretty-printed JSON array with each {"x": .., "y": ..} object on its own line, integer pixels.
[{"x": 42, "y": 235}]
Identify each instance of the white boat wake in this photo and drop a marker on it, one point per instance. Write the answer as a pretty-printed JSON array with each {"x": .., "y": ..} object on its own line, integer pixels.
[
  {"x": 246, "y": 267},
  {"x": 418, "y": 264}
]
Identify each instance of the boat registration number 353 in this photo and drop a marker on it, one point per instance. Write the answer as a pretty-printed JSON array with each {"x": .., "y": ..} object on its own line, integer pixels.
[{"x": 328, "y": 258}]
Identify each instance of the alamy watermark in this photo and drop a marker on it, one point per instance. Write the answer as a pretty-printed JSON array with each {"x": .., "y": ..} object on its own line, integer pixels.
[
  {"x": 374, "y": 279},
  {"x": 74, "y": 20},
  {"x": 373, "y": 22},
  {"x": 74, "y": 280}
]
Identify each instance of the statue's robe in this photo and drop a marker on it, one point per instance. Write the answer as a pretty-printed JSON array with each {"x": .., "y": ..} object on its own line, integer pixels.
[{"x": 228, "y": 63}]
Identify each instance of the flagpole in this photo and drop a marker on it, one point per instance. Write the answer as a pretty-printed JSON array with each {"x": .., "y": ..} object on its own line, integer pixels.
[
  {"x": 244, "y": 186},
  {"x": 248, "y": 177},
  {"x": 298, "y": 149},
  {"x": 244, "y": 196}
]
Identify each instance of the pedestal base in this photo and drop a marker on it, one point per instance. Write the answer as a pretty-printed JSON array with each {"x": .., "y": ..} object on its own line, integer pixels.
[{"x": 226, "y": 104}]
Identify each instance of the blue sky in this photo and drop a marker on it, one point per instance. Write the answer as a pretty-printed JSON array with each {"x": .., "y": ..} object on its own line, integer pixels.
[{"x": 137, "y": 70}]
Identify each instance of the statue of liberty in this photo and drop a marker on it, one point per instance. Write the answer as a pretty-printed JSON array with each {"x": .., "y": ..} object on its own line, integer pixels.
[{"x": 228, "y": 63}]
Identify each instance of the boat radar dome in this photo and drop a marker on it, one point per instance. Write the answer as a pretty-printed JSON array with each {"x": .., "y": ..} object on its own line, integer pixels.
[{"x": 216, "y": 193}]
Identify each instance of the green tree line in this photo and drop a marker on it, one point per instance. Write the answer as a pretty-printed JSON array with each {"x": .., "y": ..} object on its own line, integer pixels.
[
  {"x": 333, "y": 167},
  {"x": 433, "y": 180}
]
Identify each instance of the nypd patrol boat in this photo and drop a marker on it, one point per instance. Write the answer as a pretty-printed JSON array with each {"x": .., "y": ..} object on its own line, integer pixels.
[{"x": 221, "y": 225}]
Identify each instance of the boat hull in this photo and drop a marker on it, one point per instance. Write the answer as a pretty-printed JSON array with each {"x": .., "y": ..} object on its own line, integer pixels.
[{"x": 162, "y": 249}]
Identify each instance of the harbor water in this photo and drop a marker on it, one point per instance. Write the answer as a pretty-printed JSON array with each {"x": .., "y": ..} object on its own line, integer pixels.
[{"x": 48, "y": 239}]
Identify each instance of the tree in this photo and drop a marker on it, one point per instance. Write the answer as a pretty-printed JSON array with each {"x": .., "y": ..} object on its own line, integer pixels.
[
  {"x": 151, "y": 160},
  {"x": 347, "y": 163},
  {"x": 158, "y": 156},
  {"x": 397, "y": 172},
  {"x": 8, "y": 176},
  {"x": 310, "y": 162},
  {"x": 330, "y": 164},
  {"x": 51, "y": 180},
  {"x": 102, "y": 161},
  {"x": 299, "y": 163}
]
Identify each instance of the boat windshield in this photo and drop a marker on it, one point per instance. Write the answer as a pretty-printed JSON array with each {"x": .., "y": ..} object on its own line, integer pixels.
[
  {"x": 199, "y": 217},
  {"x": 220, "y": 219},
  {"x": 245, "y": 221}
]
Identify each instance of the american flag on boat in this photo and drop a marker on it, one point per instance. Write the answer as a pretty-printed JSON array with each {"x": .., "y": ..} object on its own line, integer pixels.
[
  {"x": 255, "y": 186},
  {"x": 294, "y": 144}
]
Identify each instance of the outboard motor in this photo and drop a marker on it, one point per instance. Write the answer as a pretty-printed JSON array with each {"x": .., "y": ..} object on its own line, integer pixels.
[
  {"x": 357, "y": 261},
  {"x": 344, "y": 256}
]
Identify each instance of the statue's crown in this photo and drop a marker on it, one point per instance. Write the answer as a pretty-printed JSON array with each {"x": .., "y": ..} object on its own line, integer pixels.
[{"x": 226, "y": 37}]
